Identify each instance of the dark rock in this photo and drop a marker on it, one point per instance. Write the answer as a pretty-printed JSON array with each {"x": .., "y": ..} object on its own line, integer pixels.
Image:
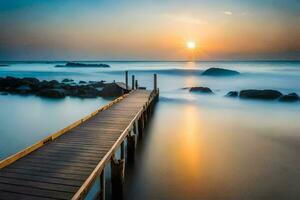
[
  {"x": 24, "y": 89},
  {"x": 97, "y": 84},
  {"x": 4, "y": 65},
  {"x": 4, "y": 93},
  {"x": 82, "y": 82},
  {"x": 11, "y": 82},
  {"x": 112, "y": 90},
  {"x": 232, "y": 94},
  {"x": 290, "y": 97},
  {"x": 260, "y": 94},
  {"x": 219, "y": 72},
  {"x": 75, "y": 64},
  {"x": 67, "y": 80},
  {"x": 52, "y": 93},
  {"x": 205, "y": 90},
  {"x": 30, "y": 81}
]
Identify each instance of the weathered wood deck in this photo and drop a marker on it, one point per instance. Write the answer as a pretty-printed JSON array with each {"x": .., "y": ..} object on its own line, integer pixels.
[{"x": 66, "y": 164}]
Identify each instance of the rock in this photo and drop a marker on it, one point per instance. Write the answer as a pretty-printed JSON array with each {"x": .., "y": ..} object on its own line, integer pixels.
[
  {"x": 205, "y": 90},
  {"x": 52, "y": 93},
  {"x": 289, "y": 97},
  {"x": 232, "y": 94},
  {"x": 112, "y": 90},
  {"x": 87, "y": 92},
  {"x": 97, "y": 84},
  {"x": 67, "y": 80},
  {"x": 3, "y": 65},
  {"x": 30, "y": 81},
  {"x": 219, "y": 72},
  {"x": 260, "y": 94},
  {"x": 82, "y": 82},
  {"x": 11, "y": 82},
  {"x": 75, "y": 64},
  {"x": 24, "y": 89},
  {"x": 4, "y": 93}
]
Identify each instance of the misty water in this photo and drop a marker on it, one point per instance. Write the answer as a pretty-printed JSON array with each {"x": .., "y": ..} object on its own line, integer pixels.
[{"x": 196, "y": 146}]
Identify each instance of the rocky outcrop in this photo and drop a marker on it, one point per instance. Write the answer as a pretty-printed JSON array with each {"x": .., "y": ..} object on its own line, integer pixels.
[
  {"x": 219, "y": 72},
  {"x": 260, "y": 94},
  {"x": 232, "y": 94},
  {"x": 203, "y": 90},
  {"x": 55, "y": 89},
  {"x": 290, "y": 97},
  {"x": 76, "y": 64}
]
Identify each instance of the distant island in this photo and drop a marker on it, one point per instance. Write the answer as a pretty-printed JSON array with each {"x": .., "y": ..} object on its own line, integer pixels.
[{"x": 76, "y": 64}]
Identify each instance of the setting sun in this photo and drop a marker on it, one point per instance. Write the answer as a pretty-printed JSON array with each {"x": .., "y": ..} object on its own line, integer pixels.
[{"x": 191, "y": 45}]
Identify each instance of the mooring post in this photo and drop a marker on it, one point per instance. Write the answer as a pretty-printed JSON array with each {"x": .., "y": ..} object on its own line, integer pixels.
[
  {"x": 155, "y": 82},
  {"x": 131, "y": 144},
  {"x": 122, "y": 151},
  {"x": 126, "y": 79},
  {"x": 117, "y": 177},
  {"x": 136, "y": 84},
  {"x": 132, "y": 82},
  {"x": 102, "y": 186}
]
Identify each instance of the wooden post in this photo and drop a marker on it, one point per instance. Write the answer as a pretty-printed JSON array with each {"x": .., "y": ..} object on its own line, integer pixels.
[
  {"x": 122, "y": 151},
  {"x": 155, "y": 82},
  {"x": 126, "y": 79},
  {"x": 131, "y": 144},
  {"x": 117, "y": 177},
  {"x": 136, "y": 84},
  {"x": 132, "y": 82},
  {"x": 102, "y": 185}
]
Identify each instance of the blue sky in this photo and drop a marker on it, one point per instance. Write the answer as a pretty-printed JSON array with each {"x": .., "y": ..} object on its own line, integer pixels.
[{"x": 149, "y": 30}]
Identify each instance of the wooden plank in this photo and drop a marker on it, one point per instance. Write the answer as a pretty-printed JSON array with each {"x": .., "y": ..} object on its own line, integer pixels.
[
  {"x": 16, "y": 196},
  {"x": 35, "y": 192}
]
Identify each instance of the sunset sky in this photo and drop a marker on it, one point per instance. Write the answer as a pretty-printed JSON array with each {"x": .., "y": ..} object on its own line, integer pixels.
[{"x": 149, "y": 30}]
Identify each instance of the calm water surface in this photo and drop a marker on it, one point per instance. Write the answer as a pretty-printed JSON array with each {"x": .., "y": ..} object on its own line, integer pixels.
[{"x": 196, "y": 146}]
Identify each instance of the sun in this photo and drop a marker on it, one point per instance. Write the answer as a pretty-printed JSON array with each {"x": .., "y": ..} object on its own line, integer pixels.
[{"x": 191, "y": 44}]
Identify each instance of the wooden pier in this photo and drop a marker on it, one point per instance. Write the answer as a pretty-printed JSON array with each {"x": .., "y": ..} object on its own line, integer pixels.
[{"x": 66, "y": 164}]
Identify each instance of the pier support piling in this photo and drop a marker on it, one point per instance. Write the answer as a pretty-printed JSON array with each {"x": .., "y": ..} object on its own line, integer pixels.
[
  {"x": 102, "y": 186},
  {"x": 131, "y": 144},
  {"x": 117, "y": 177}
]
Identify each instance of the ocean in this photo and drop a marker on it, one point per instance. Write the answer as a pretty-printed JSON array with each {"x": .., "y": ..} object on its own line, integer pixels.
[{"x": 196, "y": 146}]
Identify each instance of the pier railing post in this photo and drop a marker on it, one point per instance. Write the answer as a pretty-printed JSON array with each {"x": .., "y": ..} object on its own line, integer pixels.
[
  {"x": 132, "y": 82},
  {"x": 155, "y": 82},
  {"x": 126, "y": 79},
  {"x": 136, "y": 84}
]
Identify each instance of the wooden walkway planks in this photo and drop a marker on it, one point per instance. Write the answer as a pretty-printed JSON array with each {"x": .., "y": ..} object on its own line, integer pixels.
[{"x": 58, "y": 169}]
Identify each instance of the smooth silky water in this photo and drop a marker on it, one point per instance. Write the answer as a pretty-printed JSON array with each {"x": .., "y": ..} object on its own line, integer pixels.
[{"x": 196, "y": 146}]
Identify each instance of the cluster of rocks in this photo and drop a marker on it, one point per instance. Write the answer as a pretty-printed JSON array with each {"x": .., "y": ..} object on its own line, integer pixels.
[
  {"x": 55, "y": 89},
  {"x": 264, "y": 95},
  {"x": 251, "y": 94},
  {"x": 75, "y": 64}
]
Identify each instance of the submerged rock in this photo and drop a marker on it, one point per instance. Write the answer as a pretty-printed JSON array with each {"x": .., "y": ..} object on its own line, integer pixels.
[
  {"x": 52, "y": 93},
  {"x": 82, "y": 82},
  {"x": 4, "y": 93},
  {"x": 219, "y": 72},
  {"x": 67, "y": 80},
  {"x": 260, "y": 94},
  {"x": 290, "y": 97},
  {"x": 232, "y": 94},
  {"x": 204, "y": 90}
]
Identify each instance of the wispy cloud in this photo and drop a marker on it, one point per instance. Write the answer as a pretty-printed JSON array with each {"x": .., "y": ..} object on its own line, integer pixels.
[
  {"x": 227, "y": 12},
  {"x": 186, "y": 19}
]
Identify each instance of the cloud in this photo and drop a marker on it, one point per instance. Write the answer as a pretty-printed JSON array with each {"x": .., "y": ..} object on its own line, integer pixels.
[
  {"x": 186, "y": 19},
  {"x": 227, "y": 12}
]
